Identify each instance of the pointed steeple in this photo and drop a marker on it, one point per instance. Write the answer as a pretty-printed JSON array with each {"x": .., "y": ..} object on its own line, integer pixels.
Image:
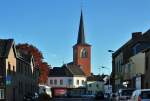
[{"x": 81, "y": 37}]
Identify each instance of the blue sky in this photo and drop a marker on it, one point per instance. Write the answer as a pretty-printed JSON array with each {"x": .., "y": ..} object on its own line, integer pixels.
[{"x": 52, "y": 26}]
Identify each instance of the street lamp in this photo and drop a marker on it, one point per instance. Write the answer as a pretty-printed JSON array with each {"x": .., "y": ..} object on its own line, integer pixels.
[
  {"x": 103, "y": 67},
  {"x": 110, "y": 51}
]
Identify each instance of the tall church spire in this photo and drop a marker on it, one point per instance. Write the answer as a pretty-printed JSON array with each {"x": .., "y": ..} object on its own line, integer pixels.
[{"x": 81, "y": 37}]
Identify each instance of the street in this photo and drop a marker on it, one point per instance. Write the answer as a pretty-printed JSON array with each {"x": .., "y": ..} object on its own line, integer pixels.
[{"x": 75, "y": 99}]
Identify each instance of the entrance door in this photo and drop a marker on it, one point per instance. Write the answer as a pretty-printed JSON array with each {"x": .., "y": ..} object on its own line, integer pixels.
[{"x": 14, "y": 94}]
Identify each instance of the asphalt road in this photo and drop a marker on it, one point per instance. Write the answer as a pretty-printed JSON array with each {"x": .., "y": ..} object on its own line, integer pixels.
[{"x": 75, "y": 99}]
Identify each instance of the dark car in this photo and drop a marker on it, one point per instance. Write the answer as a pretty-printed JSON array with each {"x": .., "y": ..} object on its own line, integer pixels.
[
  {"x": 27, "y": 98},
  {"x": 99, "y": 95},
  {"x": 30, "y": 97},
  {"x": 124, "y": 94}
]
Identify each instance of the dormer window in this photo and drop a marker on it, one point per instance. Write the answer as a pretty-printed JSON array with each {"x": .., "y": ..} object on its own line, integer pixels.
[{"x": 84, "y": 53}]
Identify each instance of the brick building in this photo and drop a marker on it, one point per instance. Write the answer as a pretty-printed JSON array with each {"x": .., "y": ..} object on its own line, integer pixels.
[
  {"x": 121, "y": 57},
  {"x": 82, "y": 51}
]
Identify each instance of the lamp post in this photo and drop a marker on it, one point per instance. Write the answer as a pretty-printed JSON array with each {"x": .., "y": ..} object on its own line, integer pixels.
[{"x": 110, "y": 51}]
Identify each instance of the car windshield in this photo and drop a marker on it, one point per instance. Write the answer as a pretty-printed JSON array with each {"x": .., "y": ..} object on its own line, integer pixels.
[
  {"x": 145, "y": 95},
  {"x": 127, "y": 92}
]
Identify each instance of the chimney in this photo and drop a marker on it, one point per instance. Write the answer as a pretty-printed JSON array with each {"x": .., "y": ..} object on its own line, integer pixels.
[{"x": 136, "y": 35}]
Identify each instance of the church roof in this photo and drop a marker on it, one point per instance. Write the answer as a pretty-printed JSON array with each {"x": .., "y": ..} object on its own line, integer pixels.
[
  {"x": 81, "y": 37},
  {"x": 69, "y": 70}
]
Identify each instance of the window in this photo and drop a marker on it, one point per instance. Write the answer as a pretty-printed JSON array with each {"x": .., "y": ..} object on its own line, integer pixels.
[
  {"x": 69, "y": 81},
  {"x": 136, "y": 48},
  {"x": 55, "y": 82},
  {"x": 84, "y": 53},
  {"x": 90, "y": 85},
  {"x": 77, "y": 82},
  {"x": 97, "y": 85},
  {"x": 9, "y": 68},
  {"x": 147, "y": 60},
  {"x": 129, "y": 68},
  {"x": 13, "y": 70},
  {"x": 51, "y": 82},
  {"x": 1, "y": 93},
  {"x": 82, "y": 82},
  {"x": 61, "y": 82}
]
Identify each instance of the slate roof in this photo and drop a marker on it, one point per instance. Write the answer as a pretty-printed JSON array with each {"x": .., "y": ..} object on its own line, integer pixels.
[
  {"x": 81, "y": 36},
  {"x": 5, "y": 45},
  {"x": 23, "y": 56},
  {"x": 69, "y": 70},
  {"x": 145, "y": 36},
  {"x": 95, "y": 78},
  {"x": 75, "y": 70}
]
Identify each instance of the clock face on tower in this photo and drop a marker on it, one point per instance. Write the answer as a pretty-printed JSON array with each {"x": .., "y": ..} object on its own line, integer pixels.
[{"x": 83, "y": 53}]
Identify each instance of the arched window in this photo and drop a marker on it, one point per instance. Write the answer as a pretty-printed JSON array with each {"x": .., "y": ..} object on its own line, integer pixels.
[{"x": 84, "y": 53}]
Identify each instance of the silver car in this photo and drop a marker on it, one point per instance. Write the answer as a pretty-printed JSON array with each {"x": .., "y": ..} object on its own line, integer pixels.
[{"x": 141, "y": 95}]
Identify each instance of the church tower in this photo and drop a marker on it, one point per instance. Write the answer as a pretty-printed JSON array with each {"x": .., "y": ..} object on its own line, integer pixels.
[{"x": 82, "y": 50}]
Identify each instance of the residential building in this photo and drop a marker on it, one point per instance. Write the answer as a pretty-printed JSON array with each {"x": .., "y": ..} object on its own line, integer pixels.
[
  {"x": 146, "y": 76},
  {"x": 27, "y": 75},
  {"x": 95, "y": 83},
  {"x": 134, "y": 71},
  {"x": 18, "y": 75},
  {"x": 69, "y": 79},
  {"x": 121, "y": 57}
]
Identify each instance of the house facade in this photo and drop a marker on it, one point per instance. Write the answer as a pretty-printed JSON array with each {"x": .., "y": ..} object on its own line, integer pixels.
[
  {"x": 121, "y": 58},
  {"x": 95, "y": 83},
  {"x": 134, "y": 71},
  {"x": 16, "y": 72},
  {"x": 68, "y": 79}
]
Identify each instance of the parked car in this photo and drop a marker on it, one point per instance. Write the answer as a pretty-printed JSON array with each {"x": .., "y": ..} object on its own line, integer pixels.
[
  {"x": 141, "y": 95},
  {"x": 99, "y": 95},
  {"x": 45, "y": 89},
  {"x": 124, "y": 94},
  {"x": 30, "y": 97},
  {"x": 87, "y": 96},
  {"x": 113, "y": 96}
]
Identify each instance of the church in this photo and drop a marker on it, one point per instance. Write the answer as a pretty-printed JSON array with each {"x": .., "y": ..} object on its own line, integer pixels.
[
  {"x": 71, "y": 77},
  {"x": 82, "y": 50}
]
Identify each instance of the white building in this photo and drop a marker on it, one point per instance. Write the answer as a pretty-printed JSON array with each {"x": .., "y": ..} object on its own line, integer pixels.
[
  {"x": 95, "y": 83},
  {"x": 68, "y": 79}
]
